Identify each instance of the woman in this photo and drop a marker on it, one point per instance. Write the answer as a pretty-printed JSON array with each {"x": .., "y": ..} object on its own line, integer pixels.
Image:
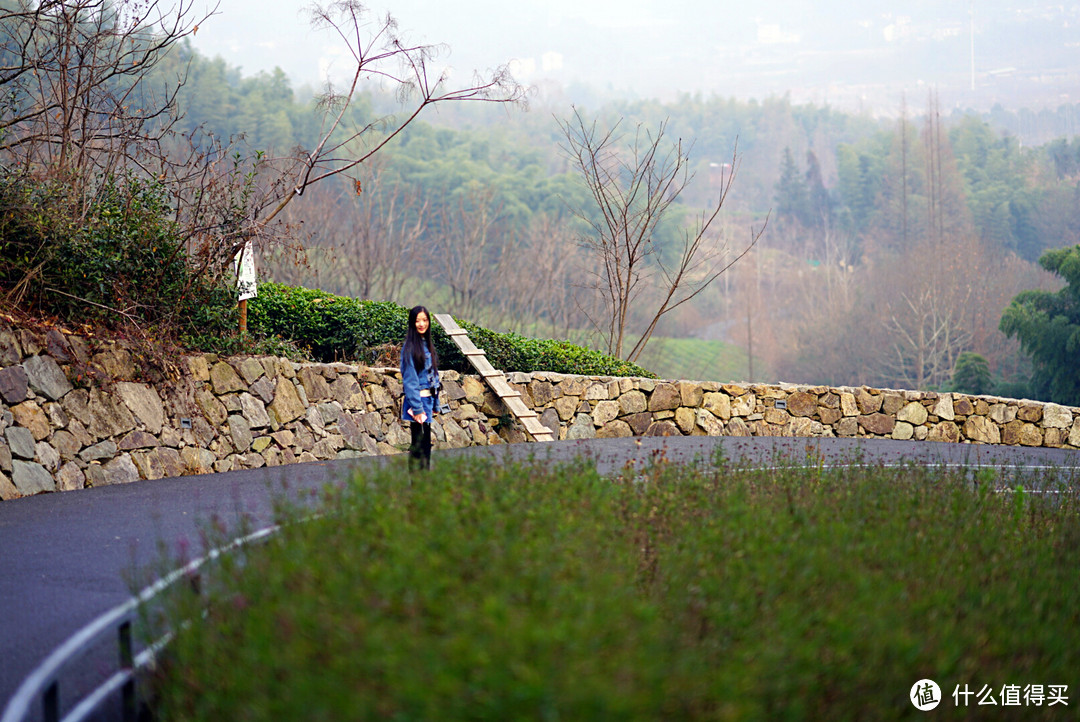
[{"x": 420, "y": 378}]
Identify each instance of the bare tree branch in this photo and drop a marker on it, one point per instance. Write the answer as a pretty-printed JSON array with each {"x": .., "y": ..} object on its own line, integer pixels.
[
  {"x": 381, "y": 56},
  {"x": 74, "y": 79},
  {"x": 77, "y": 106},
  {"x": 366, "y": 233},
  {"x": 633, "y": 185}
]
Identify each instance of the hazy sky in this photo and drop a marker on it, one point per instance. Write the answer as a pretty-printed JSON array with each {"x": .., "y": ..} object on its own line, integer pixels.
[
  {"x": 619, "y": 43},
  {"x": 818, "y": 50}
]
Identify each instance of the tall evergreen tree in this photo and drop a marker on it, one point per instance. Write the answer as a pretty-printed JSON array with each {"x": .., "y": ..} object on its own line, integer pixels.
[
  {"x": 1048, "y": 327},
  {"x": 819, "y": 205},
  {"x": 792, "y": 194}
]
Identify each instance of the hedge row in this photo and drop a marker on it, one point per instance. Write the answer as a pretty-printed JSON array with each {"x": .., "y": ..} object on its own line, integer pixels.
[{"x": 338, "y": 328}]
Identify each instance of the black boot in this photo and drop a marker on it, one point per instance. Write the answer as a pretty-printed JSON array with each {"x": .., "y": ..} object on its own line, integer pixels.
[
  {"x": 416, "y": 448},
  {"x": 425, "y": 446}
]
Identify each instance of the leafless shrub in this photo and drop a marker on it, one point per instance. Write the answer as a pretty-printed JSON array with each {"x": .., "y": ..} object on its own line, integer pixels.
[{"x": 633, "y": 185}]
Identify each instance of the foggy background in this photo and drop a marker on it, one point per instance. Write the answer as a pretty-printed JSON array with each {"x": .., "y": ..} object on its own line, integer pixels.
[
  {"x": 911, "y": 161},
  {"x": 854, "y": 56}
]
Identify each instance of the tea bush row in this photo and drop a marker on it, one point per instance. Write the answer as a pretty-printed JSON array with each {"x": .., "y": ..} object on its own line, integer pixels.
[{"x": 338, "y": 328}]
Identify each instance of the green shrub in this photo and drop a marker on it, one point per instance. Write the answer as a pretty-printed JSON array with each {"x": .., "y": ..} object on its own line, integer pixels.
[
  {"x": 234, "y": 344},
  {"x": 331, "y": 328},
  {"x": 971, "y": 375},
  {"x": 115, "y": 257},
  {"x": 1016, "y": 389},
  {"x": 493, "y": 592},
  {"x": 336, "y": 328}
]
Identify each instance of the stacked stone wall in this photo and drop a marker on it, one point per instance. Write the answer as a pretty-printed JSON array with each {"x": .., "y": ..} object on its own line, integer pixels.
[
  {"x": 586, "y": 407},
  {"x": 75, "y": 414}
]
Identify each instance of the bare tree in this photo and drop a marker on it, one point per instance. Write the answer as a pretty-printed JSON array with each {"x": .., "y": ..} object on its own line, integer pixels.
[
  {"x": 930, "y": 315},
  {"x": 948, "y": 214},
  {"x": 927, "y": 334},
  {"x": 384, "y": 58},
  {"x": 472, "y": 249},
  {"x": 633, "y": 187},
  {"x": 76, "y": 101},
  {"x": 538, "y": 281},
  {"x": 73, "y": 75},
  {"x": 368, "y": 235}
]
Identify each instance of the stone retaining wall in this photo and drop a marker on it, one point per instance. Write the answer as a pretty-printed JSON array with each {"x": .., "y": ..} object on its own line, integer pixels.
[
  {"x": 75, "y": 415},
  {"x": 586, "y": 407}
]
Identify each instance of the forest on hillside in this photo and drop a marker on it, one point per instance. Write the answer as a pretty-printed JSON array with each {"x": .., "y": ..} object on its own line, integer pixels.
[
  {"x": 892, "y": 246},
  {"x": 832, "y": 247}
]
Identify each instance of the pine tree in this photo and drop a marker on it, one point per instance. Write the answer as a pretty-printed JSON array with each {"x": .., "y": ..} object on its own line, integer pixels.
[{"x": 792, "y": 195}]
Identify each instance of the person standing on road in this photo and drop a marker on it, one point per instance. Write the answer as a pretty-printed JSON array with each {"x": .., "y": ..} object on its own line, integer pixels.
[{"x": 420, "y": 379}]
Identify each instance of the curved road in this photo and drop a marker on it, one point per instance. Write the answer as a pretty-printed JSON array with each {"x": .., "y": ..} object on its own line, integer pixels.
[{"x": 65, "y": 558}]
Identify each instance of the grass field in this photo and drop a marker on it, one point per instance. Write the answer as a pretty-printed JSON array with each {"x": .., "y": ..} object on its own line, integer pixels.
[
  {"x": 486, "y": 592},
  {"x": 699, "y": 360}
]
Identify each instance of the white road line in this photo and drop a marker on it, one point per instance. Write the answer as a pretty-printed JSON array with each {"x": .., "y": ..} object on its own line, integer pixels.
[{"x": 30, "y": 690}]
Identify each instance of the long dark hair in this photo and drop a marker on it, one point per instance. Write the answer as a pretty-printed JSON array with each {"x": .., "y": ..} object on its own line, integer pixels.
[{"x": 415, "y": 342}]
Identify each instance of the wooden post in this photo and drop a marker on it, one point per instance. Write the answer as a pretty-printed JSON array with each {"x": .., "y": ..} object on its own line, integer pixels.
[{"x": 244, "y": 265}]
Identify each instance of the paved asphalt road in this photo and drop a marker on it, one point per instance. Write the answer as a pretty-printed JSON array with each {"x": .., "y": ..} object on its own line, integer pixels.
[{"x": 65, "y": 558}]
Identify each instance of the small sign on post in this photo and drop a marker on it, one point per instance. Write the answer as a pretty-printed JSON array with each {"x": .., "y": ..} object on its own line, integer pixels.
[{"x": 244, "y": 266}]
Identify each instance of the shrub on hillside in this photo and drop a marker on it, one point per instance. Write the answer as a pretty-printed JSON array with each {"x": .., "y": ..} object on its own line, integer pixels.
[
  {"x": 337, "y": 328},
  {"x": 115, "y": 257}
]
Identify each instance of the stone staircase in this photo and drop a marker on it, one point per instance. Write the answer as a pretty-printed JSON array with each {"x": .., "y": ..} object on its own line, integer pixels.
[{"x": 495, "y": 379}]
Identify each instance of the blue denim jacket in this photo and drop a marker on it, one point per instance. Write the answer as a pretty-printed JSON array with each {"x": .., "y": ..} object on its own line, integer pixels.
[{"x": 413, "y": 382}]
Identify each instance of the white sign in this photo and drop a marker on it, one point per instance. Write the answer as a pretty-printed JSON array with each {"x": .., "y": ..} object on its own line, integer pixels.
[{"x": 244, "y": 266}]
